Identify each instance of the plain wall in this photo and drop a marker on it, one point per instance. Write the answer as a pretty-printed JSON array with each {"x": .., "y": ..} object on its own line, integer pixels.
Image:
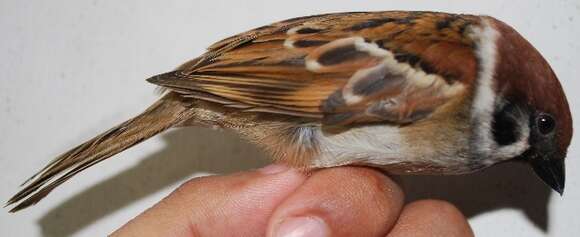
[{"x": 70, "y": 69}]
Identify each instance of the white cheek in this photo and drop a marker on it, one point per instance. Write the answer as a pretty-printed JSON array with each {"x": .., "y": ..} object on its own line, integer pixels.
[
  {"x": 521, "y": 145},
  {"x": 484, "y": 100}
]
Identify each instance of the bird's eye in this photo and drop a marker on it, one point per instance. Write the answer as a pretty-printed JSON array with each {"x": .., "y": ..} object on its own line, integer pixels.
[{"x": 545, "y": 123}]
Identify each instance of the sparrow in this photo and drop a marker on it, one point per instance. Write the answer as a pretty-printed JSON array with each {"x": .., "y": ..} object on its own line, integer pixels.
[{"x": 407, "y": 92}]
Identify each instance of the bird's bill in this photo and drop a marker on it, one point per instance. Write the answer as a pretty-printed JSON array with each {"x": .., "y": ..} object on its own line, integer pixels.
[{"x": 552, "y": 172}]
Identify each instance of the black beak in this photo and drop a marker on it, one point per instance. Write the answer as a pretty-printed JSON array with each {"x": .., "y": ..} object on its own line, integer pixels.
[{"x": 552, "y": 172}]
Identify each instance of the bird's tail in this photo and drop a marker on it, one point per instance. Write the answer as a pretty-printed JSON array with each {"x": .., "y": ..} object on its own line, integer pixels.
[{"x": 165, "y": 113}]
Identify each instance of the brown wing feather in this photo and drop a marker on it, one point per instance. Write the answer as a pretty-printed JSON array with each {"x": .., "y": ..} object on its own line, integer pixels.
[
  {"x": 165, "y": 113},
  {"x": 344, "y": 68}
]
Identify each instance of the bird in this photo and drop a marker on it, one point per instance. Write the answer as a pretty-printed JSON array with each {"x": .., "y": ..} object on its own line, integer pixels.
[{"x": 407, "y": 92}]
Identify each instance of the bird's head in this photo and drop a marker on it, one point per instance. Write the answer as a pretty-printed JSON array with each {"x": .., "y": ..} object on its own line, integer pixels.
[{"x": 531, "y": 119}]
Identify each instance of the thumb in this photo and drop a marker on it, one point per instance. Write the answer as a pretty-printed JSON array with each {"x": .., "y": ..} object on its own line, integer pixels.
[{"x": 233, "y": 205}]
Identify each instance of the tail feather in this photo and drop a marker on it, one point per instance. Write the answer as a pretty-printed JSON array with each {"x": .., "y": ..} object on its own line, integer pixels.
[{"x": 165, "y": 113}]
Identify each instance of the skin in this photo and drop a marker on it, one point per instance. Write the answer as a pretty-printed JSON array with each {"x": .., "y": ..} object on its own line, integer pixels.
[{"x": 343, "y": 201}]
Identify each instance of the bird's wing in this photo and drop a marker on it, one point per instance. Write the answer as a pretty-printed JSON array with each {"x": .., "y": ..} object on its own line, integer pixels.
[{"x": 342, "y": 68}]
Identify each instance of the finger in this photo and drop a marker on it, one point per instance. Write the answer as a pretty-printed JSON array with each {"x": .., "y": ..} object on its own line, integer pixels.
[
  {"x": 346, "y": 201},
  {"x": 431, "y": 218},
  {"x": 234, "y": 205}
]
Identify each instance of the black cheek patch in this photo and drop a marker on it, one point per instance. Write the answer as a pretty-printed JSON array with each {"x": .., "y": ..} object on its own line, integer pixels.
[
  {"x": 340, "y": 55},
  {"x": 504, "y": 127}
]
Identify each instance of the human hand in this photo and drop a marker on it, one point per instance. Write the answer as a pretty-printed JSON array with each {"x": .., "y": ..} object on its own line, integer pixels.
[{"x": 278, "y": 201}]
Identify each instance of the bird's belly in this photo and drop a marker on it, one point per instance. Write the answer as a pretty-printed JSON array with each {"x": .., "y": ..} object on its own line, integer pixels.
[{"x": 394, "y": 149}]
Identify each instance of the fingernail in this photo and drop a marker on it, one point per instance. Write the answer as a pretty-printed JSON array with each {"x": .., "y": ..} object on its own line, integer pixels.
[
  {"x": 273, "y": 169},
  {"x": 302, "y": 227}
]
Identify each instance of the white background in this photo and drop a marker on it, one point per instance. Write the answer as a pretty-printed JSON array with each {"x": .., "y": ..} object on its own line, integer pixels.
[{"x": 71, "y": 69}]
